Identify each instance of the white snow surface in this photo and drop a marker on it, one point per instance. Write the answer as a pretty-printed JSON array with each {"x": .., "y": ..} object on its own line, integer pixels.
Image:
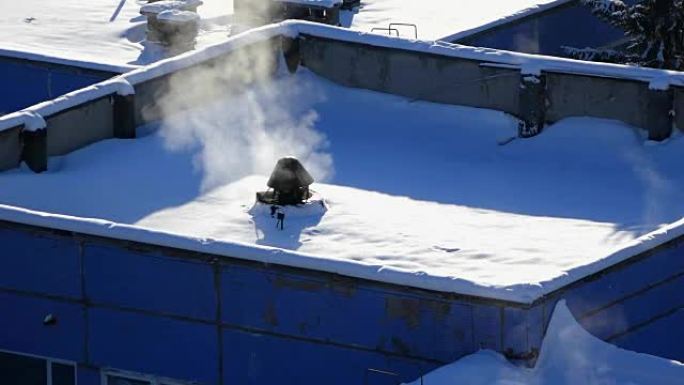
[
  {"x": 169, "y": 5},
  {"x": 569, "y": 356},
  {"x": 108, "y": 35},
  {"x": 422, "y": 194},
  {"x": 177, "y": 16},
  {"x": 99, "y": 34},
  {"x": 435, "y": 19}
]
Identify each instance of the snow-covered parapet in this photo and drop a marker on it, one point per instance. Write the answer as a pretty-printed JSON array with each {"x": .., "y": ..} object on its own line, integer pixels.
[
  {"x": 659, "y": 84},
  {"x": 530, "y": 69},
  {"x": 33, "y": 121},
  {"x": 529, "y": 64},
  {"x": 33, "y": 118},
  {"x": 122, "y": 86}
]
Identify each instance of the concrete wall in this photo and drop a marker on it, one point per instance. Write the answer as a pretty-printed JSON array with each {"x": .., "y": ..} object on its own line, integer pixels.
[
  {"x": 411, "y": 74},
  {"x": 76, "y": 128},
  {"x": 421, "y": 76},
  {"x": 28, "y": 82},
  {"x": 466, "y": 82},
  {"x": 576, "y": 95},
  {"x": 10, "y": 148},
  {"x": 679, "y": 107}
]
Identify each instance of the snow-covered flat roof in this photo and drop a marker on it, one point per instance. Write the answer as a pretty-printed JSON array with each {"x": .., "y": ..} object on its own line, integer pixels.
[
  {"x": 419, "y": 194},
  {"x": 436, "y": 19},
  {"x": 101, "y": 34}
]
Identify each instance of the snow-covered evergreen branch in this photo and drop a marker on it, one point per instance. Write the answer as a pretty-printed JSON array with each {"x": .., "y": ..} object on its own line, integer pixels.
[{"x": 655, "y": 29}]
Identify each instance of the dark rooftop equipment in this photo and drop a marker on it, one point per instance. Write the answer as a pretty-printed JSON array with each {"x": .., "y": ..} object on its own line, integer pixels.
[{"x": 288, "y": 185}]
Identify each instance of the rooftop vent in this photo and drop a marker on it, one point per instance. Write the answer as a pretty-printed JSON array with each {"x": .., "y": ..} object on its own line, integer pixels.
[
  {"x": 288, "y": 185},
  {"x": 172, "y": 23}
]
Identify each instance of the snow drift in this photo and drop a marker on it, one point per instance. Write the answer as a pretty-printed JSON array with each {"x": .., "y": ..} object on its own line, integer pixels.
[{"x": 569, "y": 356}]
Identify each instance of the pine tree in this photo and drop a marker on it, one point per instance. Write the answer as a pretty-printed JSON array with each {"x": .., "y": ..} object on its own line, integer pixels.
[{"x": 654, "y": 28}]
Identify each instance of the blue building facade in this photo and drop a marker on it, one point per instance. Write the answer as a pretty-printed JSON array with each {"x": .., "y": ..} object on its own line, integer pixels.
[
  {"x": 28, "y": 82},
  {"x": 95, "y": 311},
  {"x": 547, "y": 32}
]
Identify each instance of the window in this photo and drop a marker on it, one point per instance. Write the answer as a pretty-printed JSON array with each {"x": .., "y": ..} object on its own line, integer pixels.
[
  {"x": 63, "y": 374},
  {"x": 24, "y": 369}
]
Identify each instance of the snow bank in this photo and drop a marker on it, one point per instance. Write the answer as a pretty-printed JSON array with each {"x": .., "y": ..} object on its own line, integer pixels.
[{"x": 569, "y": 356}]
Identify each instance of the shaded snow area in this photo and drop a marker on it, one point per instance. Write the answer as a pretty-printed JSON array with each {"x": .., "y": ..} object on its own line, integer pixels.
[
  {"x": 569, "y": 356},
  {"x": 427, "y": 189},
  {"x": 109, "y": 32},
  {"x": 435, "y": 19}
]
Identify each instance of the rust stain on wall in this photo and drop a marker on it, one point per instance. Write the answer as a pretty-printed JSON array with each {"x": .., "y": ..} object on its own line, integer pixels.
[
  {"x": 299, "y": 284},
  {"x": 270, "y": 315},
  {"x": 411, "y": 310},
  {"x": 406, "y": 309}
]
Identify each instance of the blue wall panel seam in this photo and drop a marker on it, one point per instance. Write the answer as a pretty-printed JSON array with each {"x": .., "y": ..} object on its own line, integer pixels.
[
  {"x": 645, "y": 323},
  {"x": 637, "y": 293}
]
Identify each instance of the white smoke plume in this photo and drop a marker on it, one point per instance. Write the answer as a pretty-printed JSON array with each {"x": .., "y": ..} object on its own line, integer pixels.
[{"x": 240, "y": 115}]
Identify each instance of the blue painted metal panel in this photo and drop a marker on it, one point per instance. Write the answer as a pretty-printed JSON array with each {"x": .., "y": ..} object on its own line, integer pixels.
[
  {"x": 536, "y": 327},
  {"x": 636, "y": 310},
  {"x": 516, "y": 326},
  {"x": 62, "y": 82},
  {"x": 40, "y": 264},
  {"x": 155, "y": 345},
  {"x": 23, "y": 330},
  {"x": 151, "y": 282},
  {"x": 261, "y": 359},
  {"x": 488, "y": 327},
  {"x": 615, "y": 285},
  {"x": 22, "y": 86},
  {"x": 333, "y": 311},
  {"x": 314, "y": 325},
  {"x": 663, "y": 337},
  {"x": 546, "y": 33},
  {"x": 25, "y": 83}
]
